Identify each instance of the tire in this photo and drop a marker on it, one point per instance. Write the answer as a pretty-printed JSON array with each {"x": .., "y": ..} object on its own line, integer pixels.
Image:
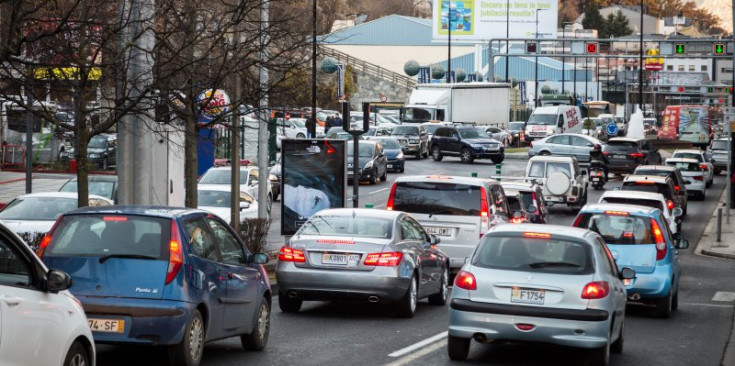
[
  {"x": 440, "y": 298},
  {"x": 544, "y": 153},
  {"x": 77, "y": 356},
  {"x": 683, "y": 214},
  {"x": 258, "y": 339},
  {"x": 385, "y": 176},
  {"x": 406, "y": 306},
  {"x": 426, "y": 151},
  {"x": 373, "y": 177},
  {"x": 702, "y": 196},
  {"x": 300, "y": 136},
  {"x": 617, "y": 346},
  {"x": 498, "y": 160},
  {"x": 665, "y": 306},
  {"x": 287, "y": 304},
  {"x": 600, "y": 356},
  {"x": 189, "y": 351},
  {"x": 709, "y": 184},
  {"x": 466, "y": 156},
  {"x": 675, "y": 301},
  {"x": 436, "y": 154},
  {"x": 458, "y": 348}
]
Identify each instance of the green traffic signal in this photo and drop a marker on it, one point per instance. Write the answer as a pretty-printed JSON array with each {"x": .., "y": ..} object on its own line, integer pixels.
[
  {"x": 719, "y": 48},
  {"x": 680, "y": 48}
]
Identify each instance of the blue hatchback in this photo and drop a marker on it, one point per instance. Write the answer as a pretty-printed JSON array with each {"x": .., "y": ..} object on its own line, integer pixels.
[
  {"x": 639, "y": 238},
  {"x": 162, "y": 276}
]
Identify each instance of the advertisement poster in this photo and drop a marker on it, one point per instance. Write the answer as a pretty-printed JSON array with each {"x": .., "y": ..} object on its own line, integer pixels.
[
  {"x": 313, "y": 178},
  {"x": 483, "y": 20}
]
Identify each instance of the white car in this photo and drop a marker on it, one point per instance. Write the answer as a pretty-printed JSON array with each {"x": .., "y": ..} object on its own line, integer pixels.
[
  {"x": 562, "y": 180},
  {"x": 35, "y": 213},
  {"x": 648, "y": 199},
  {"x": 215, "y": 198},
  {"x": 42, "y": 323},
  {"x": 699, "y": 156},
  {"x": 694, "y": 175},
  {"x": 293, "y": 128},
  {"x": 248, "y": 180}
]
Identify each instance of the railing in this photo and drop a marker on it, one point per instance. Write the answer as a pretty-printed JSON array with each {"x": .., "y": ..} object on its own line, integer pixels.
[
  {"x": 368, "y": 68},
  {"x": 12, "y": 156}
]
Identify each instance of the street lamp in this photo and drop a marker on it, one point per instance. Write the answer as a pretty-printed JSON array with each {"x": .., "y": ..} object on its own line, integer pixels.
[
  {"x": 507, "y": 40},
  {"x": 574, "y": 71},
  {"x": 449, "y": 42},
  {"x": 640, "y": 66},
  {"x": 538, "y": 49},
  {"x": 311, "y": 132}
]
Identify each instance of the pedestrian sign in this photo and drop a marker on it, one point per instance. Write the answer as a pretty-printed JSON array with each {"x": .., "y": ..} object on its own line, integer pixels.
[{"x": 612, "y": 129}]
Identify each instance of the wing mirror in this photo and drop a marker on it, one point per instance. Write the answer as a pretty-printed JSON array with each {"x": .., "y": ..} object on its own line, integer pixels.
[
  {"x": 627, "y": 274},
  {"x": 259, "y": 258},
  {"x": 681, "y": 243},
  {"x": 244, "y": 205},
  {"x": 57, "y": 281},
  {"x": 434, "y": 240},
  {"x": 677, "y": 211}
]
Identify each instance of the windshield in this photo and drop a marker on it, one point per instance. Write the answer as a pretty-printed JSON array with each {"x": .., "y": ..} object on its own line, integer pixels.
[
  {"x": 635, "y": 201},
  {"x": 353, "y": 226},
  {"x": 98, "y": 142},
  {"x": 618, "y": 228},
  {"x": 390, "y": 144},
  {"x": 37, "y": 208},
  {"x": 430, "y": 129},
  {"x": 472, "y": 133},
  {"x": 557, "y": 256},
  {"x": 417, "y": 115},
  {"x": 222, "y": 176},
  {"x": 719, "y": 145},
  {"x": 366, "y": 150},
  {"x": 542, "y": 119},
  {"x": 437, "y": 198},
  {"x": 516, "y": 126},
  {"x": 620, "y": 146},
  {"x": 405, "y": 130},
  {"x": 104, "y": 189}
]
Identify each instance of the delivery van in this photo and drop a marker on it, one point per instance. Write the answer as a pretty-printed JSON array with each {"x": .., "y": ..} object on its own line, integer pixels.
[{"x": 547, "y": 121}]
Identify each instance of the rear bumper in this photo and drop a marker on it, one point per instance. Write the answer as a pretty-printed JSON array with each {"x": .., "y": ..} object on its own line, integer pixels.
[
  {"x": 698, "y": 187},
  {"x": 396, "y": 165},
  {"x": 654, "y": 285}
]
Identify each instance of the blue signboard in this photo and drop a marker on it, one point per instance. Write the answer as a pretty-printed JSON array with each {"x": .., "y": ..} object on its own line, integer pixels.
[
  {"x": 612, "y": 129},
  {"x": 424, "y": 75},
  {"x": 205, "y": 149}
]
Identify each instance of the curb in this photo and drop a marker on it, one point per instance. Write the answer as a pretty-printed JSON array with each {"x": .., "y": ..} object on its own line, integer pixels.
[
  {"x": 12, "y": 181},
  {"x": 517, "y": 157},
  {"x": 715, "y": 254},
  {"x": 728, "y": 357}
]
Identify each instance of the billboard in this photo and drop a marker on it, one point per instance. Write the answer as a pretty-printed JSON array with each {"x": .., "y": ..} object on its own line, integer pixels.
[
  {"x": 482, "y": 20},
  {"x": 313, "y": 177}
]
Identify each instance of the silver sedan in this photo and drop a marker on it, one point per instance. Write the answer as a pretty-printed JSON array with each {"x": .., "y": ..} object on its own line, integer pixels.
[
  {"x": 364, "y": 255},
  {"x": 565, "y": 144}
]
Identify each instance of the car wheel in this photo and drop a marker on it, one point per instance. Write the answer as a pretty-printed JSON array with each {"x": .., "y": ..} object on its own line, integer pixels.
[
  {"x": 458, "y": 348},
  {"x": 288, "y": 304},
  {"x": 664, "y": 306},
  {"x": 384, "y": 177},
  {"x": 440, "y": 298},
  {"x": 685, "y": 211},
  {"x": 374, "y": 177},
  {"x": 77, "y": 356},
  {"x": 436, "y": 154},
  {"x": 300, "y": 136},
  {"x": 600, "y": 356},
  {"x": 702, "y": 196},
  {"x": 426, "y": 151},
  {"x": 498, "y": 160},
  {"x": 189, "y": 351},
  {"x": 617, "y": 346},
  {"x": 257, "y": 340},
  {"x": 675, "y": 301},
  {"x": 406, "y": 307},
  {"x": 709, "y": 183},
  {"x": 466, "y": 156},
  {"x": 544, "y": 153}
]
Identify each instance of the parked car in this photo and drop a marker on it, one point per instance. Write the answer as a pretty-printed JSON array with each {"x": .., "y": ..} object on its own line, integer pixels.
[
  {"x": 648, "y": 199},
  {"x": 101, "y": 151},
  {"x": 680, "y": 190},
  {"x": 161, "y": 276},
  {"x": 540, "y": 283},
  {"x": 393, "y": 153},
  {"x": 362, "y": 254},
  {"x": 216, "y": 199},
  {"x": 467, "y": 143},
  {"x": 695, "y": 177},
  {"x": 625, "y": 154},
  {"x": 562, "y": 180},
  {"x": 248, "y": 180},
  {"x": 566, "y": 144},
  {"x": 638, "y": 237},
  {"x": 292, "y": 128},
  {"x": 500, "y": 135},
  {"x": 701, "y": 158},
  {"x": 99, "y": 185},
  {"x": 719, "y": 151},
  {"x": 459, "y": 210},
  {"x": 372, "y": 160},
  {"x": 527, "y": 197},
  {"x": 414, "y": 139},
  {"x": 656, "y": 184},
  {"x": 42, "y": 322}
]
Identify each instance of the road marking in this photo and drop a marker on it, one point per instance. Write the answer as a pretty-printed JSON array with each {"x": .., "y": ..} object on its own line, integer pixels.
[
  {"x": 724, "y": 296},
  {"x": 696, "y": 304},
  {"x": 418, "y": 345},
  {"x": 424, "y": 352},
  {"x": 380, "y": 190}
]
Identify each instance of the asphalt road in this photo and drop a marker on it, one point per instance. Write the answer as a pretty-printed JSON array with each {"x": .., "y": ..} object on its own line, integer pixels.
[{"x": 330, "y": 333}]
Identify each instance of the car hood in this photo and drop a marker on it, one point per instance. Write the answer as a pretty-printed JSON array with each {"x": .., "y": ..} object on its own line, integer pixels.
[
  {"x": 391, "y": 154},
  {"x": 481, "y": 141}
]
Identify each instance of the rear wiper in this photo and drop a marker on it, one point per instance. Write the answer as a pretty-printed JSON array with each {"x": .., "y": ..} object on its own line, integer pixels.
[
  {"x": 437, "y": 212},
  {"x": 134, "y": 256},
  {"x": 553, "y": 264}
]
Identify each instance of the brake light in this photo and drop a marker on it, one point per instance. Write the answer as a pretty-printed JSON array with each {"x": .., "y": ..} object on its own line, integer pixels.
[
  {"x": 596, "y": 290},
  {"x": 175, "y": 255},
  {"x": 387, "y": 259},
  {"x": 677, "y": 188},
  {"x": 658, "y": 236},
  {"x": 516, "y": 220},
  {"x": 670, "y": 204},
  {"x": 525, "y": 327},
  {"x": 335, "y": 241},
  {"x": 47, "y": 238},
  {"x": 698, "y": 177},
  {"x": 537, "y": 235},
  {"x": 636, "y": 155},
  {"x": 484, "y": 209},
  {"x": 617, "y": 213},
  {"x": 703, "y": 166},
  {"x": 114, "y": 218},
  {"x": 291, "y": 255},
  {"x": 577, "y": 221},
  {"x": 465, "y": 280},
  {"x": 389, "y": 206},
  {"x": 605, "y": 153}
]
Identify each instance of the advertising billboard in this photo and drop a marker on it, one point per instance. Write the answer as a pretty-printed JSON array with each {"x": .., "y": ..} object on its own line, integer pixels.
[
  {"x": 482, "y": 20},
  {"x": 313, "y": 177}
]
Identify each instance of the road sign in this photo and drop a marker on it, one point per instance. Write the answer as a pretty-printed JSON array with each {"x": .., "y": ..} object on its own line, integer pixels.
[
  {"x": 531, "y": 47},
  {"x": 591, "y": 47},
  {"x": 719, "y": 48},
  {"x": 383, "y": 98},
  {"x": 612, "y": 129},
  {"x": 680, "y": 48}
]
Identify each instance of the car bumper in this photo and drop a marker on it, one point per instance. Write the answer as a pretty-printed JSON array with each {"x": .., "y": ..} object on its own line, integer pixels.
[
  {"x": 484, "y": 154},
  {"x": 622, "y": 167},
  {"x": 654, "y": 285},
  {"x": 410, "y": 148},
  {"x": 365, "y": 174},
  {"x": 574, "y": 328},
  {"x": 396, "y": 165},
  {"x": 698, "y": 187}
]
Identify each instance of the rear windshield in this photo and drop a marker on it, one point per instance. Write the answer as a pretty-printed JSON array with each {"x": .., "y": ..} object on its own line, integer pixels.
[
  {"x": 37, "y": 208},
  {"x": 621, "y": 146},
  {"x": 104, "y": 189},
  {"x": 635, "y": 201},
  {"x": 520, "y": 202},
  {"x": 536, "y": 255},
  {"x": 405, "y": 130},
  {"x": 618, "y": 229},
  {"x": 516, "y": 126},
  {"x": 654, "y": 172},
  {"x": 333, "y": 225},
  {"x": 686, "y": 167},
  {"x": 222, "y": 176},
  {"x": 102, "y": 235},
  {"x": 719, "y": 145},
  {"x": 697, "y": 157},
  {"x": 437, "y": 198},
  {"x": 647, "y": 187}
]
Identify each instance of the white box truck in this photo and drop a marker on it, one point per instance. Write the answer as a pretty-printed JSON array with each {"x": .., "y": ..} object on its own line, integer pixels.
[{"x": 480, "y": 103}]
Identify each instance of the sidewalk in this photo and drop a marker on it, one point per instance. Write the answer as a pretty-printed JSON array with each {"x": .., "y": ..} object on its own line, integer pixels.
[
  {"x": 13, "y": 184},
  {"x": 708, "y": 244}
]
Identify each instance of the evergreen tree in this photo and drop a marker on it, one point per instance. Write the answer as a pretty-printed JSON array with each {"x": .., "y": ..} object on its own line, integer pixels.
[
  {"x": 592, "y": 17},
  {"x": 620, "y": 25},
  {"x": 607, "y": 28}
]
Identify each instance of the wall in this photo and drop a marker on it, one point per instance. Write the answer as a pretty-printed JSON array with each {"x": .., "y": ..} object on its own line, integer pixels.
[
  {"x": 394, "y": 57},
  {"x": 369, "y": 88}
]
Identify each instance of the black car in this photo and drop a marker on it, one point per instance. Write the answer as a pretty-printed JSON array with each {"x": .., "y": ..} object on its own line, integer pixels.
[
  {"x": 393, "y": 152},
  {"x": 372, "y": 161},
  {"x": 680, "y": 188},
  {"x": 516, "y": 129},
  {"x": 414, "y": 140},
  {"x": 625, "y": 154},
  {"x": 101, "y": 151},
  {"x": 467, "y": 143}
]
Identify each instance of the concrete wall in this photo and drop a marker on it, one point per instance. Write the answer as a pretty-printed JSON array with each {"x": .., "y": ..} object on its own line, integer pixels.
[
  {"x": 394, "y": 57},
  {"x": 369, "y": 89}
]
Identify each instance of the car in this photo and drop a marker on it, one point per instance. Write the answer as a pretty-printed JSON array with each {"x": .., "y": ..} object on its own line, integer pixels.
[
  {"x": 274, "y": 176},
  {"x": 393, "y": 153},
  {"x": 527, "y": 197},
  {"x": 498, "y": 134},
  {"x": 656, "y": 184},
  {"x": 625, "y": 154},
  {"x": 162, "y": 276},
  {"x": 562, "y": 180},
  {"x": 101, "y": 151},
  {"x": 650, "y": 126},
  {"x": 432, "y": 126},
  {"x": 719, "y": 154},
  {"x": 377, "y": 131},
  {"x": 249, "y": 176},
  {"x": 695, "y": 177},
  {"x": 216, "y": 198},
  {"x": 100, "y": 185},
  {"x": 459, "y": 210},
  {"x": 565, "y": 144},
  {"x": 648, "y": 199},
  {"x": 373, "y": 164},
  {"x": 516, "y": 129},
  {"x": 700, "y": 157},
  {"x": 365, "y": 255},
  {"x": 467, "y": 143},
  {"x": 42, "y": 322},
  {"x": 414, "y": 139},
  {"x": 540, "y": 283},
  {"x": 292, "y": 128},
  {"x": 680, "y": 190},
  {"x": 592, "y": 127},
  {"x": 35, "y": 213},
  {"x": 638, "y": 237}
]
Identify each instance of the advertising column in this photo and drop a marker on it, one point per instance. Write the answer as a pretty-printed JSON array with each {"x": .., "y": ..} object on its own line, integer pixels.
[{"x": 214, "y": 104}]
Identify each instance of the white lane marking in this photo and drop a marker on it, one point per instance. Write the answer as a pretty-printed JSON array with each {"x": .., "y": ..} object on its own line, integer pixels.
[
  {"x": 697, "y": 304},
  {"x": 724, "y": 296},
  {"x": 415, "y": 356},
  {"x": 380, "y": 190},
  {"x": 418, "y": 345}
]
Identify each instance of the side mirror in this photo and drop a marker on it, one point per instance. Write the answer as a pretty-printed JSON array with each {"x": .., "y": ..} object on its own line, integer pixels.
[
  {"x": 531, "y": 208},
  {"x": 682, "y": 244},
  {"x": 627, "y": 274},
  {"x": 677, "y": 211},
  {"x": 57, "y": 281},
  {"x": 433, "y": 239},
  {"x": 259, "y": 258},
  {"x": 244, "y": 205}
]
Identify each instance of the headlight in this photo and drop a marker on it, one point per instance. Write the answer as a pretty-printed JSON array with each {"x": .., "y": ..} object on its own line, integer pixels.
[
  {"x": 476, "y": 146},
  {"x": 93, "y": 156},
  {"x": 368, "y": 165},
  {"x": 399, "y": 156}
]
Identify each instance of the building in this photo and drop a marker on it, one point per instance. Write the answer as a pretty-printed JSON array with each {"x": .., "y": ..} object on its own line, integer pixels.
[{"x": 633, "y": 13}]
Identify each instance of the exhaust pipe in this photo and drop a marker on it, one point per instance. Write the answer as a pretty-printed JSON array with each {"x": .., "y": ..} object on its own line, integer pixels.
[
  {"x": 293, "y": 294},
  {"x": 635, "y": 297},
  {"x": 373, "y": 299},
  {"x": 480, "y": 338}
]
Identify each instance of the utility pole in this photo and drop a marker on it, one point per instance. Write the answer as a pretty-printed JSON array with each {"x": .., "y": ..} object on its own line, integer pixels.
[
  {"x": 312, "y": 130},
  {"x": 235, "y": 155},
  {"x": 507, "y": 42},
  {"x": 640, "y": 66},
  {"x": 263, "y": 123},
  {"x": 449, "y": 43},
  {"x": 731, "y": 135}
]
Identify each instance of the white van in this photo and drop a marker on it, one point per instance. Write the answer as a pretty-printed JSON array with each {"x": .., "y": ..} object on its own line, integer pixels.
[{"x": 547, "y": 121}]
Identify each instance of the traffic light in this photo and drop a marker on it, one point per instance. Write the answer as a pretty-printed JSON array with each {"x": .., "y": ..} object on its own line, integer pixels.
[
  {"x": 681, "y": 89},
  {"x": 531, "y": 47},
  {"x": 729, "y": 90},
  {"x": 680, "y": 48},
  {"x": 590, "y": 47},
  {"x": 719, "y": 48}
]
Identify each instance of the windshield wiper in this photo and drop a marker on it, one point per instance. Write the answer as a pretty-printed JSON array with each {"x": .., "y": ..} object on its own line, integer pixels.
[
  {"x": 438, "y": 212},
  {"x": 134, "y": 256},
  {"x": 553, "y": 264}
]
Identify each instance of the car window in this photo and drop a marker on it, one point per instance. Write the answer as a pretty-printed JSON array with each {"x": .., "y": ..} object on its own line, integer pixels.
[
  {"x": 635, "y": 201},
  {"x": 230, "y": 249},
  {"x": 419, "y": 229},
  {"x": 560, "y": 140},
  {"x": 201, "y": 242},
  {"x": 604, "y": 262},
  {"x": 499, "y": 201},
  {"x": 437, "y": 198},
  {"x": 621, "y": 147},
  {"x": 14, "y": 268},
  {"x": 618, "y": 228},
  {"x": 608, "y": 257},
  {"x": 347, "y": 225},
  {"x": 695, "y": 156},
  {"x": 580, "y": 141},
  {"x": 537, "y": 169},
  {"x": 664, "y": 189},
  {"x": 37, "y": 208},
  {"x": 553, "y": 167},
  {"x": 408, "y": 231},
  {"x": 527, "y": 254}
]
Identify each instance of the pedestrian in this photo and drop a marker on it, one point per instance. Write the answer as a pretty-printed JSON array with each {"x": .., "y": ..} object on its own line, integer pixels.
[
  {"x": 310, "y": 126},
  {"x": 328, "y": 124},
  {"x": 337, "y": 121}
]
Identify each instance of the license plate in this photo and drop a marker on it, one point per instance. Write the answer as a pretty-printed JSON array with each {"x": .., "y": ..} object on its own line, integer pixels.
[
  {"x": 106, "y": 325},
  {"x": 340, "y": 259},
  {"x": 596, "y": 179},
  {"x": 390, "y": 166},
  {"x": 619, "y": 156},
  {"x": 554, "y": 198},
  {"x": 525, "y": 296},
  {"x": 441, "y": 231}
]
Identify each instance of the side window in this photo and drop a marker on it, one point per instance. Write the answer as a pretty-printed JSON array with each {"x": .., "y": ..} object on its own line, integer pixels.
[
  {"x": 537, "y": 169},
  {"x": 666, "y": 229},
  {"x": 554, "y": 140},
  {"x": 408, "y": 231},
  {"x": 580, "y": 141},
  {"x": 200, "y": 240},
  {"x": 455, "y": 134},
  {"x": 560, "y": 121},
  {"x": 440, "y": 132},
  {"x": 14, "y": 269},
  {"x": 94, "y": 202},
  {"x": 498, "y": 197},
  {"x": 230, "y": 248},
  {"x": 607, "y": 259},
  {"x": 419, "y": 230},
  {"x": 440, "y": 114}
]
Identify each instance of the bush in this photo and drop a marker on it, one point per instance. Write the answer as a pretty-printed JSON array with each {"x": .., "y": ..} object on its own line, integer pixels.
[
  {"x": 254, "y": 233},
  {"x": 33, "y": 240}
]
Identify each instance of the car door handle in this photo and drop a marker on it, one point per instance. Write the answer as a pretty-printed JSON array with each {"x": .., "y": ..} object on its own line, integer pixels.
[{"x": 11, "y": 301}]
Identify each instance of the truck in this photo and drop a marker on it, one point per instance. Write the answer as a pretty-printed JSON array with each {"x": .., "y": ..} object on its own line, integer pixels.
[{"x": 476, "y": 102}]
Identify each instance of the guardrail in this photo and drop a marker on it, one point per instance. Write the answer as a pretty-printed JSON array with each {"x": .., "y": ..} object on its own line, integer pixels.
[{"x": 368, "y": 68}]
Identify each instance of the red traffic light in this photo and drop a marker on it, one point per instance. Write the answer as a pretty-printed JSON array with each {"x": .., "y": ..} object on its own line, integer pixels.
[
  {"x": 591, "y": 47},
  {"x": 531, "y": 47}
]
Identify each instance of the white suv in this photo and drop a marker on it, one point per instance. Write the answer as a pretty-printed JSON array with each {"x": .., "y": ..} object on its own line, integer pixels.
[{"x": 563, "y": 181}]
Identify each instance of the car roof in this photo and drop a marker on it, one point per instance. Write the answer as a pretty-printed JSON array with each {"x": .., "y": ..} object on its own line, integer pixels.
[
  {"x": 634, "y": 209},
  {"x": 688, "y": 151},
  {"x": 536, "y": 228},
  {"x": 98, "y": 178},
  {"x": 363, "y": 212},
  {"x": 653, "y": 178},
  {"x": 681, "y": 160},
  {"x": 74, "y": 195},
  {"x": 563, "y": 159},
  {"x": 624, "y": 139},
  {"x": 657, "y": 167},
  {"x": 154, "y": 211},
  {"x": 517, "y": 185},
  {"x": 634, "y": 194},
  {"x": 445, "y": 179}
]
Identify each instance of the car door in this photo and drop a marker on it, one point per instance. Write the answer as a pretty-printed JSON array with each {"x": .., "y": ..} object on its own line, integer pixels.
[
  {"x": 431, "y": 261},
  {"x": 242, "y": 280},
  {"x": 580, "y": 148},
  {"x": 411, "y": 244},
  {"x": 561, "y": 145},
  {"x": 454, "y": 143},
  {"x": 609, "y": 269}
]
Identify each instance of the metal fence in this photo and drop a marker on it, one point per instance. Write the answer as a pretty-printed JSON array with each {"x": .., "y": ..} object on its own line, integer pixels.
[
  {"x": 12, "y": 156},
  {"x": 368, "y": 68}
]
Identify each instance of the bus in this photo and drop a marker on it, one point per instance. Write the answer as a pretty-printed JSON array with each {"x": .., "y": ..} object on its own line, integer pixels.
[
  {"x": 597, "y": 107},
  {"x": 691, "y": 123}
]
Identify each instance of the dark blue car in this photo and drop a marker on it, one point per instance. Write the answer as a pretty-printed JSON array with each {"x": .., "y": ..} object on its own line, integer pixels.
[
  {"x": 467, "y": 143},
  {"x": 162, "y": 276},
  {"x": 393, "y": 152}
]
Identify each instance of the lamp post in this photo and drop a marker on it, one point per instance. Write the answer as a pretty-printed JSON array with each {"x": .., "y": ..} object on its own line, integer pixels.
[
  {"x": 538, "y": 49},
  {"x": 312, "y": 129},
  {"x": 574, "y": 71},
  {"x": 564, "y": 52},
  {"x": 640, "y": 66},
  {"x": 507, "y": 40},
  {"x": 449, "y": 42}
]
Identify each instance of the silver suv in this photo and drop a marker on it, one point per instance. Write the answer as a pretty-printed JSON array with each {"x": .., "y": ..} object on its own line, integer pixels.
[{"x": 563, "y": 181}]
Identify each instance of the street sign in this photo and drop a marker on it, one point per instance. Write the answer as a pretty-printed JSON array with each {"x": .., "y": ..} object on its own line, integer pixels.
[
  {"x": 591, "y": 47},
  {"x": 531, "y": 47},
  {"x": 680, "y": 48},
  {"x": 719, "y": 48},
  {"x": 612, "y": 129},
  {"x": 383, "y": 98}
]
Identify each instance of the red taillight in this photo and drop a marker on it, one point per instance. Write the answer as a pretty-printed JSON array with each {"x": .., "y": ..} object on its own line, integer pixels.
[
  {"x": 677, "y": 188},
  {"x": 703, "y": 166},
  {"x": 596, "y": 290},
  {"x": 658, "y": 237},
  {"x": 465, "y": 280},
  {"x": 617, "y": 213},
  {"x": 114, "y": 218},
  {"x": 577, "y": 221},
  {"x": 47, "y": 238},
  {"x": 389, "y": 206},
  {"x": 291, "y": 255},
  {"x": 525, "y": 327},
  {"x": 387, "y": 259},
  {"x": 605, "y": 153},
  {"x": 670, "y": 204},
  {"x": 636, "y": 155},
  {"x": 698, "y": 177},
  {"x": 484, "y": 208},
  {"x": 175, "y": 256}
]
